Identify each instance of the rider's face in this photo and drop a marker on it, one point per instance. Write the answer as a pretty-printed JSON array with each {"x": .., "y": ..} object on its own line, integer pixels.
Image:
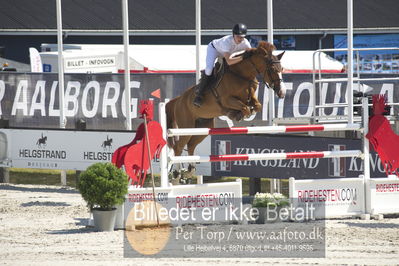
[{"x": 238, "y": 39}]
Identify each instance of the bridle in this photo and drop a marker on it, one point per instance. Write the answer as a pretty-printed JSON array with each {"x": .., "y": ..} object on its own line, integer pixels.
[
  {"x": 251, "y": 83},
  {"x": 269, "y": 65}
]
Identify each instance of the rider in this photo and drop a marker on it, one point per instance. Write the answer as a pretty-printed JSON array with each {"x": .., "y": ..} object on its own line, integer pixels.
[{"x": 223, "y": 47}]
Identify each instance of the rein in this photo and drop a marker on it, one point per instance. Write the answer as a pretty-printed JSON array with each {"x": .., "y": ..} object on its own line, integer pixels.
[
  {"x": 251, "y": 82},
  {"x": 216, "y": 94},
  {"x": 269, "y": 64}
]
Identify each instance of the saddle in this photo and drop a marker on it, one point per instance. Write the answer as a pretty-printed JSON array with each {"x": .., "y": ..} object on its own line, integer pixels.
[
  {"x": 217, "y": 74},
  {"x": 221, "y": 67}
]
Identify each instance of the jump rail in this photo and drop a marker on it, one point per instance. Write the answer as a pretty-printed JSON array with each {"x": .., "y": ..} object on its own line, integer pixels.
[
  {"x": 261, "y": 129},
  {"x": 167, "y": 160},
  {"x": 265, "y": 156}
]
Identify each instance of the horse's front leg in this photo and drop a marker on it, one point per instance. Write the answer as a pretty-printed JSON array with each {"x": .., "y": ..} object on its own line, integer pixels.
[
  {"x": 237, "y": 104},
  {"x": 254, "y": 104}
]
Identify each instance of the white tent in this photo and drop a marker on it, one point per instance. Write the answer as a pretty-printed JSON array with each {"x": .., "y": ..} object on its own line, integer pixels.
[
  {"x": 302, "y": 62},
  {"x": 143, "y": 58},
  {"x": 163, "y": 58}
]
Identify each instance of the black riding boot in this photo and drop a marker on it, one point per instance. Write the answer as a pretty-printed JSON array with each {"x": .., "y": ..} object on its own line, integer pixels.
[{"x": 200, "y": 89}]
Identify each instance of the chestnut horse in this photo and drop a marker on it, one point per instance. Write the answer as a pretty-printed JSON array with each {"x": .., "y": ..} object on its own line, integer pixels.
[{"x": 234, "y": 96}]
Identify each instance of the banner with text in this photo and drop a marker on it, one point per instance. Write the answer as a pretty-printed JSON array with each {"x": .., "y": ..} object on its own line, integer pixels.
[
  {"x": 31, "y": 100},
  {"x": 306, "y": 168}
]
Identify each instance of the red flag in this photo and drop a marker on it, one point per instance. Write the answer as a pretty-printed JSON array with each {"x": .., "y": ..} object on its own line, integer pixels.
[
  {"x": 156, "y": 93},
  {"x": 383, "y": 139},
  {"x": 146, "y": 107}
]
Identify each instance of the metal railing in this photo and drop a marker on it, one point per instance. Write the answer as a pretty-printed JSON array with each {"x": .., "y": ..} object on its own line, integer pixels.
[{"x": 317, "y": 82}]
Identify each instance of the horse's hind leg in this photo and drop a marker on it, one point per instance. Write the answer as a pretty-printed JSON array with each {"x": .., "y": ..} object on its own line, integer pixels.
[
  {"x": 180, "y": 144},
  {"x": 178, "y": 150},
  {"x": 191, "y": 145},
  {"x": 195, "y": 140}
]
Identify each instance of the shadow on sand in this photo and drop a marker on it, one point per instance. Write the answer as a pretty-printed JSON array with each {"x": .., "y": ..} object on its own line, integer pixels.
[
  {"x": 376, "y": 225},
  {"x": 82, "y": 230},
  {"x": 37, "y": 188},
  {"x": 81, "y": 222},
  {"x": 45, "y": 204}
]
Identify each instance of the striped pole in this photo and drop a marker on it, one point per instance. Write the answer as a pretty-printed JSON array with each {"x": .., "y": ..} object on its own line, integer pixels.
[
  {"x": 265, "y": 156},
  {"x": 261, "y": 129}
]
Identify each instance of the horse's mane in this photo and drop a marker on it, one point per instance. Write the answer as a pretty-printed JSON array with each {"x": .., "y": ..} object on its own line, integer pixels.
[{"x": 268, "y": 47}]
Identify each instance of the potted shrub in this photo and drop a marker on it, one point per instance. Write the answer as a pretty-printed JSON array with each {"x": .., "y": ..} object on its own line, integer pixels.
[
  {"x": 274, "y": 202},
  {"x": 103, "y": 185}
]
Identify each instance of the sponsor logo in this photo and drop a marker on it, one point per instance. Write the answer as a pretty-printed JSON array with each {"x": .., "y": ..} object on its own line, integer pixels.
[
  {"x": 41, "y": 152},
  {"x": 348, "y": 195},
  {"x": 42, "y": 141},
  {"x": 223, "y": 147},
  {"x": 387, "y": 188},
  {"x": 97, "y": 156},
  {"x": 107, "y": 143},
  {"x": 308, "y": 163},
  {"x": 105, "y": 155},
  {"x": 336, "y": 166}
]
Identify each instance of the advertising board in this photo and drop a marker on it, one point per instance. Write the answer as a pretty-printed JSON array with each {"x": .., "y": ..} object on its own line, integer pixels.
[
  {"x": 305, "y": 168},
  {"x": 31, "y": 100}
]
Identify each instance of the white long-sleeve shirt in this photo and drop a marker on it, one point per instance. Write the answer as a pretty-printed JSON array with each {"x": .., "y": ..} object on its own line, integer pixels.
[{"x": 227, "y": 44}]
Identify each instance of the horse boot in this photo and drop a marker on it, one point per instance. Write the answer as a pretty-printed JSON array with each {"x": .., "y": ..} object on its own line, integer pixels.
[{"x": 200, "y": 90}]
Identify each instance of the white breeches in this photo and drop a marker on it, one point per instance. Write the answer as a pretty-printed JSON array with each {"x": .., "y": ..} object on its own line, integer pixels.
[{"x": 211, "y": 55}]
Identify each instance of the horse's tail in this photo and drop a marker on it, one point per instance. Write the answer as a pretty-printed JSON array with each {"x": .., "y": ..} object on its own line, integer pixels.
[
  {"x": 171, "y": 119},
  {"x": 169, "y": 113}
]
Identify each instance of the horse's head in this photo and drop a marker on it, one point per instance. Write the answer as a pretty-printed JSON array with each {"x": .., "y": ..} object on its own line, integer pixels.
[{"x": 269, "y": 67}]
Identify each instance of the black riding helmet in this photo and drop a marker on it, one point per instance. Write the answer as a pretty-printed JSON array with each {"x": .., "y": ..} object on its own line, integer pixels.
[{"x": 240, "y": 29}]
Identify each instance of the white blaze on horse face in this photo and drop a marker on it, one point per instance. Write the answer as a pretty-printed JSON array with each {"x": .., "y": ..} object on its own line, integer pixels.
[{"x": 283, "y": 88}]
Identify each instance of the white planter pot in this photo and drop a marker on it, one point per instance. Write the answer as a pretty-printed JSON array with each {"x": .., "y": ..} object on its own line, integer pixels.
[
  {"x": 120, "y": 217},
  {"x": 265, "y": 217},
  {"x": 104, "y": 220}
]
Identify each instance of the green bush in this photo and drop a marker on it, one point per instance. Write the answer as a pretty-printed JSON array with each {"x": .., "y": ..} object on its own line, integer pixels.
[
  {"x": 269, "y": 199},
  {"x": 103, "y": 185}
]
